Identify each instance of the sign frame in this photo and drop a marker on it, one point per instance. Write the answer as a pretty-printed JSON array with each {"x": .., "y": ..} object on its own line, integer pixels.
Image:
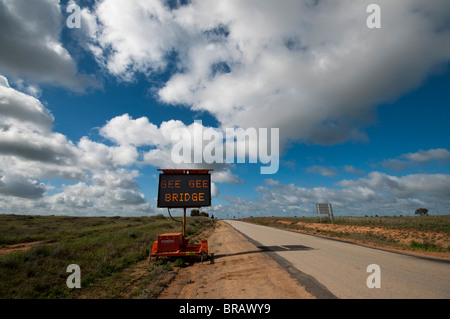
[
  {"x": 184, "y": 172},
  {"x": 325, "y": 209},
  {"x": 185, "y": 181}
]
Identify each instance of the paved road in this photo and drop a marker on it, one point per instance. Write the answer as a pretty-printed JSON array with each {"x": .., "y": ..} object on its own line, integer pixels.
[{"x": 333, "y": 268}]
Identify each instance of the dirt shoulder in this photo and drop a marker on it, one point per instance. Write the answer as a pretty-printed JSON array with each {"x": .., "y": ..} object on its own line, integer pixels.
[{"x": 240, "y": 271}]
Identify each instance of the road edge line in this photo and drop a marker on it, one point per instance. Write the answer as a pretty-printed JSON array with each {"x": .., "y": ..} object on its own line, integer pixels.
[{"x": 310, "y": 283}]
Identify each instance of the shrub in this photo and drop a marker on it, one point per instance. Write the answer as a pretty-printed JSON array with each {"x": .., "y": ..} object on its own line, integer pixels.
[
  {"x": 421, "y": 211},
  {"x": 12, "y": 261},
  {"x": 195, "y": 212},
  {"x": 179, "y": 263}
]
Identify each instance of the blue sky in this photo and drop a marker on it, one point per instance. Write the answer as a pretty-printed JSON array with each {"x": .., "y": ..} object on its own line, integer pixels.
[{"x": 86, "y": 114}]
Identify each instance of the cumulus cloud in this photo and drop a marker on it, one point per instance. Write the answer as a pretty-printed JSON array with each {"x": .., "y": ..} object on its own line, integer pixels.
[
  {"x": 127, "y": 132},
  {"x": 30, "y": 37},
  {"x": 404, "y": 161},
  {"x": 351, "y": 169},
  {"x": 124, "y": 130},
  {"x": 311, "y": 68},
  {"x": 30, "y": 151},
  {"x": 322, "y": 170},
  {"x": 4, "y": 81},
  {"x": 414, "y": 185},
  {"x": 32, "y": 154},
  {"x": 26, "y": 135},
  {"x": 438, "y": 154},
  {"x": 17, "y": 107},
  {"x": 378, "y": 193},
  {"x": 101, "y": 196},
  {"x": 314, "y": 66},
  {"x": 120, "y": 178},
  {"x": 20, "y": 186},
  {"x": 225, "y": 176},
  {"x": 94, "y": 155}
]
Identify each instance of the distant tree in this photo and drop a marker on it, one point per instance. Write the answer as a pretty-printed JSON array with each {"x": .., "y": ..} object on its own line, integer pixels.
[
  {"x": 204, "y": 214},
  {"x": 195, "y": 212},
  {"x": 421, "y": 211}
]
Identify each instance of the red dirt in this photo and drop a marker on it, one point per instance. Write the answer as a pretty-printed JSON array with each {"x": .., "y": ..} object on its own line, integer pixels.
[{"x": 7, "y": 249}]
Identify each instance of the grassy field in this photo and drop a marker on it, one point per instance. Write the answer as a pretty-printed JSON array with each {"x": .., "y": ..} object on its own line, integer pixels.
[
  {"x": 424, "y": 233},
  {"x": 111, "y": 252}
]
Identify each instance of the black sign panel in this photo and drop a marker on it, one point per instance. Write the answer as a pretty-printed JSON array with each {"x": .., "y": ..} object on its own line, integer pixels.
[{"x": 184, "y": 190}]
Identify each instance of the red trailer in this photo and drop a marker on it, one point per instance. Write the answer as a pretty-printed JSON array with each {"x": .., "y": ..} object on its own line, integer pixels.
[
  {"x": 179, "y": 188},
  {"x": 176, "y": 245}
]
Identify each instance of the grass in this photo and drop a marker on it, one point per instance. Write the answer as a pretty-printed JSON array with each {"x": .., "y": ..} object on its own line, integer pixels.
[
  {"x": 428, "y": 224},
  {"x": 414, "y": 245},
  {"x": 103, "y": 248}
]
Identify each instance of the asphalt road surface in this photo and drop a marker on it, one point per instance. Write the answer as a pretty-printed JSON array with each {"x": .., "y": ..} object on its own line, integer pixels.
[{"x": 334, "y": 269}]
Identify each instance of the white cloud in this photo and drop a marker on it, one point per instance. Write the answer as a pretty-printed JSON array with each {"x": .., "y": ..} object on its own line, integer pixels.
[
  {"x": 414, "y": 185},
  {"x": 271, "y": 182},
  {"x": 322, "y": 170},
  {"x": 225, "y": 176},
  {"x": 124, "y": 130},
  {"x": 353, "y": 170},
  {"x": 438, "y": 154},
  {"x": 93, "y": 155},
  {"x": 120, "y": 178},
  {"x": 30, "y": 37},
  {"x": 127, "y": 131},
  {"x": 404, "y": 161},
  {"x": 28, "y": 147},
  {"x": 30, "y": 152},
  {"x": 376, "y": 194},
  {"x": 311, "y": 68},
  {"x": 315, "y": 67},
  {"x": 20, "y": 186},
  {"x": 32, "y": 155},
  {"x": 26, "y": 133},
  {"x": 4, "y": 81},
  {"x": 17, "y": 107},
  {"x": 125, "y": 25},
  {"x": 51, "y": 148},
  {"x": 100, "y": 199}
]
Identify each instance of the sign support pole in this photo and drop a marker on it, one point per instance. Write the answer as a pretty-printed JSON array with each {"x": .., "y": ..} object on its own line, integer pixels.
[{"x": 184, "y": 221}]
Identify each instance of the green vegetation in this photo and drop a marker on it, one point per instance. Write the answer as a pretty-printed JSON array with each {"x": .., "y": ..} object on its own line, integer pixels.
[
  {"x": 421, "y": 211},
  {"x": 439, "y": 223},
  {"x": 104, "y": 248}
]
